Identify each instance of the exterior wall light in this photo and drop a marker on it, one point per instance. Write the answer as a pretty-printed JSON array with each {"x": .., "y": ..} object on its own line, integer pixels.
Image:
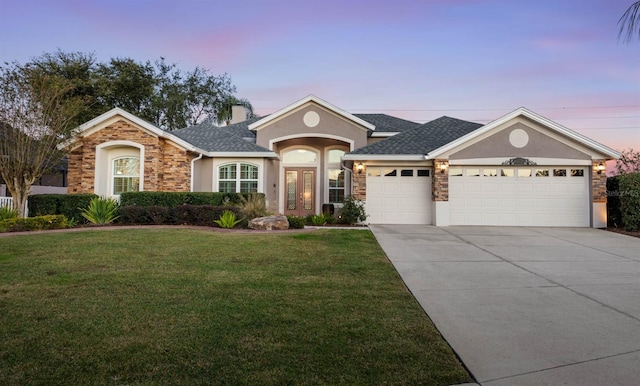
[
  {"x": 601, "y": 168},
  {"x": 443, "y": 167},
  {"x": 359, "y": 167}
]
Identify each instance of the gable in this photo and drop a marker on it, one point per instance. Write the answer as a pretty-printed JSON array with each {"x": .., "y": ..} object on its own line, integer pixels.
[
  {"x": 524, "y": 133},
  {"x": 520, "y": 139},
  {"x": 311, "y": 120}
]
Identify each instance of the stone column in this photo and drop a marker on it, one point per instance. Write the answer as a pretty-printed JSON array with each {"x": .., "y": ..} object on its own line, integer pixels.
[
  {"x": 599, "y": 195},
  {"x": 440, "y": 185},
  {"x": 360, "y": 183}
]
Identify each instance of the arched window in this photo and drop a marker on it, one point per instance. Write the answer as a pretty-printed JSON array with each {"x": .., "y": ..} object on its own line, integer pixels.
[
  {"x": 238, "y": 178},
  {"x": 126, "y": 175},
  {"x": 300, "y": 156}
]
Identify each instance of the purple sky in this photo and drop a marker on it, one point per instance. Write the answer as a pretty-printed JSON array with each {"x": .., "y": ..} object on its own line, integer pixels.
[{"x": 474, "y": 60}]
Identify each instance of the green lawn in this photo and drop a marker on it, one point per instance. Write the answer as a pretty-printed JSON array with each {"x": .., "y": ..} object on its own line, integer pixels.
[{"x": 185, "y": 306}]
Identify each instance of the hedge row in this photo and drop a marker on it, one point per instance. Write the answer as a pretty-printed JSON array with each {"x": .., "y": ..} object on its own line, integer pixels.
[
  {"x": 173, "y": 199},
  {"x": 68, "y": 205},
  {"x": 203, "y": 215},
  {"x": 33, "y": 223},
  {"x": 629, "y": 188}
]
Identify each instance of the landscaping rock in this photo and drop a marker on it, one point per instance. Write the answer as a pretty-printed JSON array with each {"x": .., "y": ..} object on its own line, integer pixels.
[{"x": 269, "y": 223}]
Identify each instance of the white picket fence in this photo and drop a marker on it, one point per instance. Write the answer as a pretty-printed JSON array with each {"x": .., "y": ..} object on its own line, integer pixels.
[{"x": 8, "y": 201}]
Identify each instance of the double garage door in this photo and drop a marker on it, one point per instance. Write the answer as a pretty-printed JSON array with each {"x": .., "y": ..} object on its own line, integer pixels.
[
  {"x": 519, "y": 196},
  {"x": 497, "y": 195},
  {"x": 398, "y": 195}
]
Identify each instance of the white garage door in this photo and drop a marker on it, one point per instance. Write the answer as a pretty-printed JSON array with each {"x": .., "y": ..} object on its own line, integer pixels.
[
  {"x": 519, "y": 196},
  {"x": 398, "y": 195}
]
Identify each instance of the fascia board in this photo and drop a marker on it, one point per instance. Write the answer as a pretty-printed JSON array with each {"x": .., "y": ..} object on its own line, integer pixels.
[
  {"x": 321, "y": 102},
  {"x": 384, "y": 134},
  {"x": 221, "y": 154},
  {"x": 384, "y": 157}
]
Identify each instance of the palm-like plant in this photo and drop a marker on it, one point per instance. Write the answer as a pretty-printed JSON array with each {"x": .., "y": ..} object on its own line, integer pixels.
[
  {"x": 101, "y": 211},
  {"x": 630, "y": 23},
  {"x": 224, "y": 114}
]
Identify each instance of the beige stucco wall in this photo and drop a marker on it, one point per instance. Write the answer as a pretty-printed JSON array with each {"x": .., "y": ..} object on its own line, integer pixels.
[
  {"x": 203, "y": 175},
  {"x": 330, "y": 125},
  {"x": 540, "y": 145},
  {"x": 272, "y": 184}
]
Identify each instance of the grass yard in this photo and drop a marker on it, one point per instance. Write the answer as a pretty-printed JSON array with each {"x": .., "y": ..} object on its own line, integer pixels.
[{"x": 188, "y": 306}]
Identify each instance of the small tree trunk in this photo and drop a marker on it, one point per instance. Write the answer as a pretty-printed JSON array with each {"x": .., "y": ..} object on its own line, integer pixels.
[{"x": 19, "y": 190}]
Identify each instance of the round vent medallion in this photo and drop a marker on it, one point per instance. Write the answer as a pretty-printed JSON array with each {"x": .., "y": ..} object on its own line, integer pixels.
[
  {"x": 519, "y": 138},
  {"x": 311, "y": 119}
]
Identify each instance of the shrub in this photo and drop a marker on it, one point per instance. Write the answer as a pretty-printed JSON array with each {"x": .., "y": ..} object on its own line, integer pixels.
[
  {"x": 173, "y": 199},
  {"x": 296, "y": 222},
  {"x": 629, "y": 187},
  {"x": 227, "y": 220},
  {"x": 33, "y": 223},
  {"x": 352, "y": 211},
  {"x": 253, "y": 206},
  {"x": 318, "y": 220},
  {"x": 101, "y": 211},
  {"x": 7, "y": 213},
  {"x": 144, "y": 215},
  {"x": 614, "y": 215},
  {"x": 201, "y": 215},
  {"x": 64, "y": 204}
]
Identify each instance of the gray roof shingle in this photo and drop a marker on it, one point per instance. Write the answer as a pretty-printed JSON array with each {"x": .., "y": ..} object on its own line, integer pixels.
[
  {"x": 212, "y": 138},
  {"x": 387, "y": 123},
  {"x": 421, "y": 139}
]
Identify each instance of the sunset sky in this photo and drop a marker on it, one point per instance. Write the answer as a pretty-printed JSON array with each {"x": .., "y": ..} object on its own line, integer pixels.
[{"x": 418, "y": 60}]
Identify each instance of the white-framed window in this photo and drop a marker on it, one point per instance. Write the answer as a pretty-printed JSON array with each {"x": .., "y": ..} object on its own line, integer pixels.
[
  {"x": 335, "y": 175},
  {"x": 238, "y": 177},
  {"x": 126, "y": 175}
]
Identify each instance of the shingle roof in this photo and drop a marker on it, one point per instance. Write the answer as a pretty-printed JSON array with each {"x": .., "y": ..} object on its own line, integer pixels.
[
  {"x": 387, "y": 123},
  {"x": 212, "y": 138},
  {"x": 421, "y": 139}
]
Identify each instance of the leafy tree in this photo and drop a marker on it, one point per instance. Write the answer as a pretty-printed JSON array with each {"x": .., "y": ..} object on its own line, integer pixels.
[
  {"x": 629, "y": 162},
  {"x": 224, "y": 114},
  {"x": 158, "y": 92},
  {"x": 630, "y": 23},
  {"x": 37, "y": 115}
]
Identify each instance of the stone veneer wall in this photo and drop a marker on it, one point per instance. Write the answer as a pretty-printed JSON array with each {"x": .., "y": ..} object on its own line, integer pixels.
[
  {"x": 360, "y": 184},
  {"x": 166, "y": 167},
  {"x": 598, "y": 182},
  {"x": 440, "y": 185}
]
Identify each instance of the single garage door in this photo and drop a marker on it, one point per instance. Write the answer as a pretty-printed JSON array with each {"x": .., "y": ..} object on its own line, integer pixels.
[
  {"x": 519, "y": 196},
  {"x": 398, "y": 195}
]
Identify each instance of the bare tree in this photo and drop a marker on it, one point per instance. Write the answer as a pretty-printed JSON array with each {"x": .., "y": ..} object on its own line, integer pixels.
[
  {"x": 36, "y": 117},
  {"x": 630, "y": 23}
]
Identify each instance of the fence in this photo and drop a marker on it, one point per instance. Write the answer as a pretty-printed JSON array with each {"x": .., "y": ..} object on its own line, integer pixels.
[{"x": 8, "y": 201}]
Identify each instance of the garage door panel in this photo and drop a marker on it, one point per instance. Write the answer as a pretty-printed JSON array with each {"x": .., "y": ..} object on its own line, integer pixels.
[
  {"x": 520, "y": 200},
  {"x": 399, "y": 199}
]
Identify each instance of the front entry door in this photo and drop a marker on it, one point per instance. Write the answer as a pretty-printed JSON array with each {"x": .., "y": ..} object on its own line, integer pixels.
[{"x": 299, "y": 195}]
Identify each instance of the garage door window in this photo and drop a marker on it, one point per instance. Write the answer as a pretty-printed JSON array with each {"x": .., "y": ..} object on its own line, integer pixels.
[
  {"x": 473, "y": 172},
  {"x": 542, "y": 172},
  {"x": 423, "y": 172},
  {"x": 559, "y": 172},
  {"x": 577, "y": 172},
  {"x": 390, "y": 172},
  {"x": 373, "y": 172},
  {"x": 490, "y": 172},
  {"x": 507, "y": 173},
  {"x": 524, "y": 172},
  {"x": 406, "y": 173},
  {"x": 455, "y": 172}
]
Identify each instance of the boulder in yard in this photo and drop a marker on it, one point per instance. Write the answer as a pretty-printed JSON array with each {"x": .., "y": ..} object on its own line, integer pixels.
[{"x": 269, "y": 223}]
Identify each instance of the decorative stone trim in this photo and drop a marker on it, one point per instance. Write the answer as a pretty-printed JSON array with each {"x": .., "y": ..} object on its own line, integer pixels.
[
  {"x": 360, "y": 184},
  {"x": 166, "y": 167},
  {"x": 598, "y": 182},
  {"x": 440, "y": 185}
]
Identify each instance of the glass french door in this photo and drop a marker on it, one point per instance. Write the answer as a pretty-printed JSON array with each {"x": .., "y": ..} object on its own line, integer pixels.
[{"x": 299, "y": 195}]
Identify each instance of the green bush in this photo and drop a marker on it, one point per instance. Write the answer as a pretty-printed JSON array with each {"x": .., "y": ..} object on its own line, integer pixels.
[
  {"x": 614, "y": 215},
  {"x": 296, "y": 222},
  {"x": 7, "y": 213},
  {"x": 629, "y": 188},
  {"x": 227, "y": 220},
  {"x": 33, "y": 223},
  {"x": 101, "y": 211},
  {"x": 201, "y": 215},
  {"x": 318, "y": 220},
  {"x": 173, "y": 199},
  {"x": 64, "y": 204},
  {"x": 352, "y": 211}
]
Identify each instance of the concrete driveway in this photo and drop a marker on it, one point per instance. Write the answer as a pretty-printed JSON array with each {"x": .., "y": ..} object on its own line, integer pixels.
[{"x": 527, "y": 306}]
